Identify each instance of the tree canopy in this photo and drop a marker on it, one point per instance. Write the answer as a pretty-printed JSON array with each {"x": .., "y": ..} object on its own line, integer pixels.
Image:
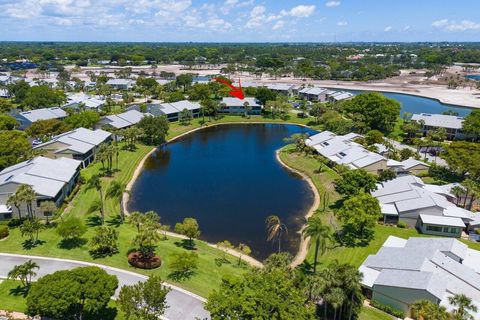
[
  {"x": 72, "y": 294},
  {"x": 14, "y": 147},
  {"x": 353, "y": 182},
  {"x": 373, "y": 111}
]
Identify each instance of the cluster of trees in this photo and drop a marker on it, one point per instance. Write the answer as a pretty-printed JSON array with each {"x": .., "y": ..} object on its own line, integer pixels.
[
  {"x": 36, "y": 97},
  {"x": 261, "y": 293}
]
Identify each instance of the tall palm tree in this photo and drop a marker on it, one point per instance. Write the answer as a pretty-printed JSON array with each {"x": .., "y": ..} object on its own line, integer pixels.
[
  {"x": 27, "y": 195},
  {"x": 463, "y": 306},
  {"x": 335, "y": 297},
  {"x": 275, "y": 229},
  {"x": 95, "y": 183},
  {"x": 320, "y": 233},
  {"x": 28, "y": 272},
  {"x": 136, "y": 218},
  {"x": 427, "y": 310},
  {"x": 116, "y": 191},
  {"x": 457, "y": 191},
  {"x": 15, "y": 201}
]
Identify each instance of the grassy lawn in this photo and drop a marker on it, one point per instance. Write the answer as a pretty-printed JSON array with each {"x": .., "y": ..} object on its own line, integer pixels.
[
  {"x": 12, "y": 297},
  {"x": 373, "y": 314}
]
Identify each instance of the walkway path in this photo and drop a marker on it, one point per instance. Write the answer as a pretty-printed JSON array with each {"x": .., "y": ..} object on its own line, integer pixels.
[{"x": 182, "y": 304}]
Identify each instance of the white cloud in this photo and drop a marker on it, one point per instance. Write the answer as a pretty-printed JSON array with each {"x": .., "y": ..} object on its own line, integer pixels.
[
  {"x": 278, "y": 25},
  {"x": 301, "y": 11},
  {"x": 463, "y": 25},
  {"x": 387, "y": 29},
  {"x": 331, "y": 4},
  {"x": 257, "y": 16},
  {"x": 440, "y": 23},
  {"x": 406, "y": 28},
  {"x": 342, "y": 23}
]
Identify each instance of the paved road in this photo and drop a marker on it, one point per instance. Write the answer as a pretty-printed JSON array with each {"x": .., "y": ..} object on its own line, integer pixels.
[{"x": 182, "y": 304}]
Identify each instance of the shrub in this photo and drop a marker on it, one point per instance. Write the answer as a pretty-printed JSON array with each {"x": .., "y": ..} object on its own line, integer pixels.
[
  {"x": 388, "y": 309},
  {"x": 104, "y": 242},
  {"x": 15, "y": 222},
  {"x": 3, "y": 231},
  {"x": 402, "y": 224}
]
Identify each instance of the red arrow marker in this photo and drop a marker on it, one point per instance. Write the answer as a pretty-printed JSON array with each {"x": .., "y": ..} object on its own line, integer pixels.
[{"x": 235, "y": 92}]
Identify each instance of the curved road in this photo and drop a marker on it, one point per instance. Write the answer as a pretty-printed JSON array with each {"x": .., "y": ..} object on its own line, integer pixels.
[{"x": 182, "y": 304}]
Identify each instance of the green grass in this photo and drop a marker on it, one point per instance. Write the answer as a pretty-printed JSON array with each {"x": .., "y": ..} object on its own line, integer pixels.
[
  {"x": 373, "y": 314},
  {"x": 11, "y": 297}
]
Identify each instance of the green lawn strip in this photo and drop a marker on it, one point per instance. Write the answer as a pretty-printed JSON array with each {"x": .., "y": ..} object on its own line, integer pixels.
[
  {"x": 373, "y": 314},
  {"x": 206, "y": 278},
  {"x": 12, "y": 296}
]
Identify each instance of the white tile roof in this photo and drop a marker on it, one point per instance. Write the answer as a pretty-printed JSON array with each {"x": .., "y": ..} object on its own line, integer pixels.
[
  {"x": 313, "y": 90},
  {"x": 123, "y": 120},
  {"x": 87, "y": 100},
  {"x": 442, "y": 221},
  {"x": 119, "y": 82},
  {"x": 410, "y": 163},
  {"x": 439, "y": 120},
  {"x": 46, "y": 176},
  {"x": 185, "y": 104},
  {"x": 43, "y": 114},
  {"x": 79, "y": 140},
  {"x": 235, "y": 102},
  {"x": 441, "y": 266}
]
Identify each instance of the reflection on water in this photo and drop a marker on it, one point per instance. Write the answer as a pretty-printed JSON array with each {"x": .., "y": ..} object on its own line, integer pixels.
[{"x": 228, "y": 178}]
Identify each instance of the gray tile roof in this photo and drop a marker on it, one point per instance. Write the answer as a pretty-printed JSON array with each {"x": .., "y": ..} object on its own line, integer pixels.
[
  {"x": 46, "y": 176},
  {"x": 123, "y": 120},
  {"x": 442, "y": 221},
  {"x": 79, "y": 140},
  {"x": 235, "y": 102},
  {"x": 439, "y": 120},
  {"x": 43, "y": 114}
]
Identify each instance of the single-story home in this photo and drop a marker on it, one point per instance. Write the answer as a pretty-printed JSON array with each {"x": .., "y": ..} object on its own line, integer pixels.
[
  {"x": 440, "y": 225},
  {"x": 412, "y": 166},
  {"x": 80, "y": 144},
  {"x": 78, "y": 100},
  {"x": 236, "y": 106},
  {"x": 405, "y": 271},
  {"x": 121, "y": 120},
  {"x": 51, "y": 179},
  {"x": 343, "y": 150},
  {"x": 26, "y": 118},
  {"x": 407, "y": 197},
  {"x": 339, "y": 96},
  {"x": 314, "y": 94},
  {"x": 121, "y": 84},
  {"x": 282, "y": 88},
  {"x": 173, "y": 109},
  {"x": 452, "y": 124}
]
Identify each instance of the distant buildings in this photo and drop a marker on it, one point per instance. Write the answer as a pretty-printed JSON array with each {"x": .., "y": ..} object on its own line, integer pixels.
[
  {"x": 77, "y": 101},
  {"x": 121, "y": 84},
  {"x": 121, "y": 120},
  {"x": 405, "y": 271},
  {"x": 80, "y": 144},
  {"x": 51, "y": 179},
  {"x": 237, "y": 106},
  {"x": 451, "y": 124},
  {"x": 26, "y": 118}
]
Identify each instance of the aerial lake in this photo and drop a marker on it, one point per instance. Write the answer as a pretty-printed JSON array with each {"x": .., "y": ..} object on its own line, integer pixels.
[{"x": 228, "y": 178}]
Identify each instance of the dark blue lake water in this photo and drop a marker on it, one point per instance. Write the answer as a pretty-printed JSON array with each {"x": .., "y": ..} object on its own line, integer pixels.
[
  {"x": 228, "y": 178},
  {"x": 414, "y": 104}
]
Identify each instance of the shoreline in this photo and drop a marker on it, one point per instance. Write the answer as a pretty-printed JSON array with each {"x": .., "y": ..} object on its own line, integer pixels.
[
  {"x": 252, "y": 261},
  {"x": 304, "y": 242}
]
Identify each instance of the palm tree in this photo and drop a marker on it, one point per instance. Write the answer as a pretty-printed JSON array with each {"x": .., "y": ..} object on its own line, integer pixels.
[
  {"x": 463, "y": 305},
  {"x": 247, "y": 107},
  {"x": 427, "y": 310},
  {"x": 15, "y": 201},
  {"x": 275, "y": 230},
  {"x": 136, "y": 218},
  {"x": 48, "y": 208},
  {"x": 335, "y": 297},
  {"x": 457, "y": 191},
  {"x": 320, "y": 233},
  {"x": 116, "y": 191},
  {"x": 95, "y": 183},
  {"x": 31, "y": 227},
  {"x": 24, "y": 272},
  {"x": 27, "y": 195}
]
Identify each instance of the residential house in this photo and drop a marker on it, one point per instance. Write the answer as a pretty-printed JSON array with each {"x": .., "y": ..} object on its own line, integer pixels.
[
  {"x": 80, "y": 144},
  {"x": 342, "y": 150},
  {"x": 26, "y": 118},
  {"x": 81, "y": 100},
  {"x": 173, "y": 109},
  {"x": 121, "y": 120},
  {"x": 440, "y": 225},
  {"x": 51, "y": 179},
  {"x": 236, "y": 106},
  {"x": 407, "y": 197},
  {"x": 339, "y": 96},
  {"x": 121, "y": 84},
  {"x": 403, "y": 272},
  {"x": 451, "y": 124},
  {"x": 314, "y": 94},
  {"x": 413, "y": 166},
  {"x": 282, "y": 88}
]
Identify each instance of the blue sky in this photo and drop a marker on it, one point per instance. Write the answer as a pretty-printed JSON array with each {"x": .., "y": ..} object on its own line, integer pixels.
[{"x": 240, "y": 20}]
